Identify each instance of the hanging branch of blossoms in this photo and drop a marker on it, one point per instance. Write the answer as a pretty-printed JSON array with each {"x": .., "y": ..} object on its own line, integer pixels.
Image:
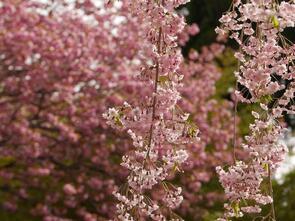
[
  {"x": 158, "y": 128},
  {"x": 266, "y": 77}
]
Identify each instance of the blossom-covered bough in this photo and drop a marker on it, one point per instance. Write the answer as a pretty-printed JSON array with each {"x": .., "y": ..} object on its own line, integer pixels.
[
  {"x": 266, "y": 76},
  {"x": 158, "y": 127}
]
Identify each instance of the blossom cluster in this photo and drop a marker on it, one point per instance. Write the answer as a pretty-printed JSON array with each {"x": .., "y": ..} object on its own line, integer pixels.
[
  {"x": 266, "y": 69},
  {"x": 242, "y": 181},
  {"x": 158, "y": 128},
  {"x": 265, "y": 55}
]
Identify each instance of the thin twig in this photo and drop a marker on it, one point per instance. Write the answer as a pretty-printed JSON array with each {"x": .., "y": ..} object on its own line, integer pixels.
[
  {"x": 271, "y": 194},
  {"x": 156, "y": 81}
]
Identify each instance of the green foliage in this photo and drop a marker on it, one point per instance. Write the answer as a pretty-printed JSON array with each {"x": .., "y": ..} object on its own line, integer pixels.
[
  {"x": 227, "y": 64},
  {"x": 6, "y": 161},
  {"x": 284, "y": 198},
  {"x": 212, "y": 216}
]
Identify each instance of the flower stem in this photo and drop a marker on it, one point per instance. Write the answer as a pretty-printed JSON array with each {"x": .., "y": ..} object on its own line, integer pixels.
[
  {"x": 235, "y": 123},
  {"x": 273, "y": 215},
  {"x": 154, "y": 95}
]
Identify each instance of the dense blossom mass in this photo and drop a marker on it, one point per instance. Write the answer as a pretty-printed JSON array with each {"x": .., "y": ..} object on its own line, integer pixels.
[{"x": 266, "y": 76}]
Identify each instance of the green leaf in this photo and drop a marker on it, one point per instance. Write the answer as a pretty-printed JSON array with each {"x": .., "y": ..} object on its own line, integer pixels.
[
  {"x": 275, "y": 21},
  {"x": 6, "y": 161},
  {"x": 163, "y": 80},
  {"x": 192, "y": 132},
  {"x": 68, "y": 162},
  {"x": 265, "y": 166},
  {"x": 236, "y": 208},
  {"x": 266, "y": 99},
  {"x": 190, "y": 119},
  {"x": 118, "y": 121}
]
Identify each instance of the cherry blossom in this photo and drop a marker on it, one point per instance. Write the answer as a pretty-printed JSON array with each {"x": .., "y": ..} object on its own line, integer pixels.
[{"x": 265, "y": 68}]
